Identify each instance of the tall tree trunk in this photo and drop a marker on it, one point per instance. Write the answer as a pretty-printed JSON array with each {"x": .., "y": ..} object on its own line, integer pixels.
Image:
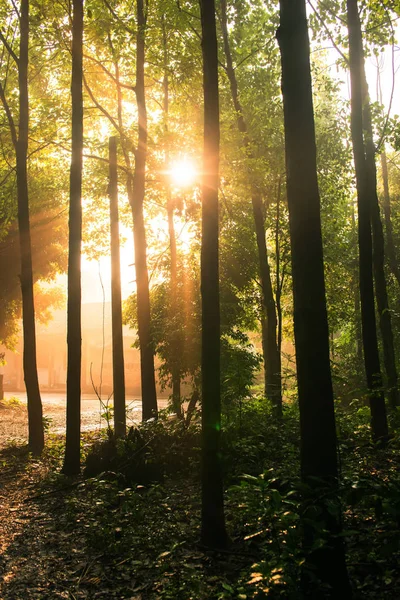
[
  {"x": 177, "y": 349},
  {"x": 279, "y": 282},
  {"x": 264, "y": 343},
  {"x": 135, "y": 188},
  {"x": 212, "y": 514},
  {"x": 116, "y": 305},
  {"x": 177, "y": 346},
  {"x": 368, "y": 321},
  {"x": 35, "y": 420},
  {"x": 390, "y": 248},
  {"x": 378, "y": 255},
  {"x": 72, "y": 449},
  {"x": 318, "y": 444},
  {"x": 272, "y": 362},
  {"x": 136, "y": 193},
  {"x": 357, "y": 305}
]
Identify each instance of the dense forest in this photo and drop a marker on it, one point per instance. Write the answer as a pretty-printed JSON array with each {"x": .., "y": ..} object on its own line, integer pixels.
[{"x": 251, "y": 150}]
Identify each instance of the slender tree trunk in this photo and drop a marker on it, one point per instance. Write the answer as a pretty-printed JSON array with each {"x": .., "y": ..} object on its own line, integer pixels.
[
  {"x": 264, "y": 344},
  {"x": 272, "y": 360},
  {"x": 318, "y": 443},
  {"x": 278, "y": 292},
  {"x": 212, "y": 515},
  {"x": 35, "y": 420},
  {"x": 135, "y": 188},
  {"x": 357, "y": 313},
  {"x": 390, "y": 248},
  {"x": 72, "y": 449},
  {"x": 136, "y": 193},
  {"x": 357, "y": 305},
  {"x": 368, "y": 321},
  {"x": 116, "y": 304},
  {"x": 378, "y": 255},
  {"x": 177, "y": 346},
  {"x": 177, "y": 349}
]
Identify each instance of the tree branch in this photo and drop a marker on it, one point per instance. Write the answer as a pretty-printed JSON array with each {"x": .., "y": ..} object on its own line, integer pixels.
[
  {"x": 100, "y": 107},
  {"x": 9, "y": 49},
  {"x": 327, "y": 30},
  {"x": 382, "y": 138},
  {"x": 9, "y": 117},
  {"x": 110, "y": 75},
  {"x": 16, "y": 9},
  {"x": 119, "y": 19}
]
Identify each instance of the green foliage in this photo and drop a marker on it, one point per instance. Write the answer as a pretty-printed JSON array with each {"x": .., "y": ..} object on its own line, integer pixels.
[
  {"x": 148, "y": 525},
  {"x": 239, "y": 363},
  {"x": 176, "y": 335},
  {"x": 276, "y": 529},
  {"x": 148, "y": 453}
]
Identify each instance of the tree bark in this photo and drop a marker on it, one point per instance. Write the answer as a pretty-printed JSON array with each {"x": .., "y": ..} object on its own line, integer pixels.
[
  {"x": 72, "y": 448},
  {"x": 136, "y": 193},
  {"x": 368, "y": 321},
  {"x": 279, "y": 281},
  {"x": 390, "y": 247},
  {"x": 177, "y": 347},
  {"x": 116, "y": 303},
  {"x": 176, "y": 342},
  {"x": 272, "y": 361},
  {"x": 357, "y": 303},
  {"x": 318, "y": 442},
  {"x": 213, "y": 531},
  {"x": 135, "y": 188},
  {"x": 378, "y": 255},
  {"x": 35, "y": 416}
]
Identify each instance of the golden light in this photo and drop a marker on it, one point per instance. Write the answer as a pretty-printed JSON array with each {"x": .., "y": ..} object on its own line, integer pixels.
[{"x": 183, "y": 173}]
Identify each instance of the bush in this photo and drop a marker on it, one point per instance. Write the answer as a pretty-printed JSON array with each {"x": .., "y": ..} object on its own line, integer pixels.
[{"x": 148, "y": 453}]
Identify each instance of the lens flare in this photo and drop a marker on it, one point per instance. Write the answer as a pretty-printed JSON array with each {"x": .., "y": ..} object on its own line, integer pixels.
[{"x": 183, "y": 173}]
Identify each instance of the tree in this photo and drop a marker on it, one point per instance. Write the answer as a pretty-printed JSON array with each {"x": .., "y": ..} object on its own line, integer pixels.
[
  {"x": 20, "y": 142},
  {"x": 116, "y": 306},
  {"x": 379, "y": 252},
  {"x": 71, "y": 464},
  {"x": 212, "y": 513},
  {"x": 318, "y": 444},
  {"x": 272, "y": 364},
  {"x": 35, "y": 422},
  {"x": 387, "y": 211},
  {"x": 364, "y": 202},
  {"x": 149, "y": 397},
  {"x": 174, "y": 313},
  {"x": 99, "y": 82},
  {"x": 46, "y": 185}
]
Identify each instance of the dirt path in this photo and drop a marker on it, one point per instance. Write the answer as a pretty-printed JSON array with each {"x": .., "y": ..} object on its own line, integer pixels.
[
  {"x": 14, "y": 420},
  {"x": 29, "y": 541},
  {"x": 42, "y": 555}
]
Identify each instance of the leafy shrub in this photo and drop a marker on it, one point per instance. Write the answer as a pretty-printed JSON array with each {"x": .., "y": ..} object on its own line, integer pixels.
[{"x": 148, "y": 453}]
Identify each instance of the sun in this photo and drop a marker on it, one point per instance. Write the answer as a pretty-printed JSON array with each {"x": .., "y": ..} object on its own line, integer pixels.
[{"x": 183, "y": 173}]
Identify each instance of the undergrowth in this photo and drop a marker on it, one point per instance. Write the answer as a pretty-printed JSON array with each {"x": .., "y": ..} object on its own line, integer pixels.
[{"x": 137, "y": 509}]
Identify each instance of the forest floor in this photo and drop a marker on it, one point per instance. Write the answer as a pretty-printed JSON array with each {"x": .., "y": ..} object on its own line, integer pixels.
[
  {"x": 114, "y": 535},
  {"x": 56, "y": 541}
]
